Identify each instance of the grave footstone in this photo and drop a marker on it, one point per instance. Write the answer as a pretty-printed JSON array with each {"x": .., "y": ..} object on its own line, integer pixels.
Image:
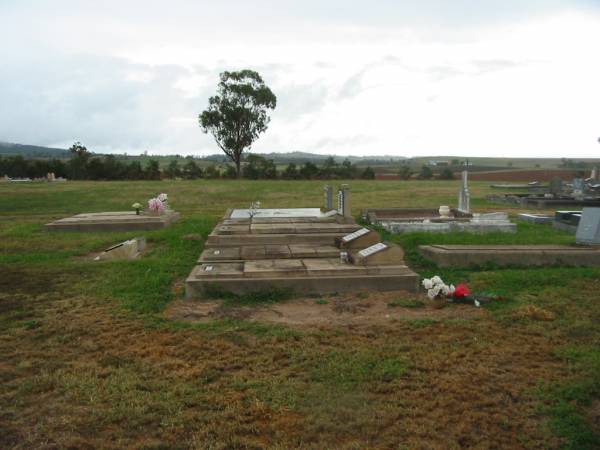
[
  {"x": 588, "y": 230},
  {"x": 359, "y": 239},
  {"x": 378, "y": 254}
]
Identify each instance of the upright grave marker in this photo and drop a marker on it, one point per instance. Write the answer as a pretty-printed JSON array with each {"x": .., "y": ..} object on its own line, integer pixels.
[
  {"x": 588, "y": 230},
  {"x": 345, "y": 201},
  {"x": 328, "y": 192},
  {"x": 464, "y": 196}
]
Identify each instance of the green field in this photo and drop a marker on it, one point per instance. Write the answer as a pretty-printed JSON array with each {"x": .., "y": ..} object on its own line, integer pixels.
[{"x": 88, "y": 358}]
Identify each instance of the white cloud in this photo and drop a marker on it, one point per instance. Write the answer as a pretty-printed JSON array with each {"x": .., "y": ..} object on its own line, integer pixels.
[{"x": 393, "y": 78}]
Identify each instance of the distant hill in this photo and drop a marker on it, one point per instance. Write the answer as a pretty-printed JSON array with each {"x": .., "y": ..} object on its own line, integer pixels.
[
  {"x": 302, "y": 157},
  {"x": 32, "y": 151}
]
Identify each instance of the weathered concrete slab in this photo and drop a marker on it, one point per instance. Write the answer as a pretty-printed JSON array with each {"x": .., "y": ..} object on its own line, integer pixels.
[
  {"x": 321, "y": 280},
  {"x": 537, "y": 218},
  {"x": 511, "y": 255},
  {"x": 217, "y": 240},
  {"x": 273, "y": 268},
  {"x": 113, "y": 221},
  {"x": 276, "y": 213},
  {"x": 218, "y": 271},
  {"x": 250, "y": 252},
  {"x": 233, "y": 229},
  {"x": 221, "y": 254}
]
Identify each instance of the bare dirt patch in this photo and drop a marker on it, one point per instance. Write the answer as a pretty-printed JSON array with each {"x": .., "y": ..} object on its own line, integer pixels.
[{"x": 376, "y": 308}]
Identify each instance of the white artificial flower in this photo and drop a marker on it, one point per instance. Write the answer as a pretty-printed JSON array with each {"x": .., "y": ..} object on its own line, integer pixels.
[
  {"x": 436, "y": 290},
  {"x": 477, "y": 303},
  {"x": 437, "y": 280},
  {"x": 427, "y": 283},
  {"x": 445, "y": 289},
  {"x": 163, "y": 197},
  {"x": 451, "y": 289},
  {"x": 431, "y": 294}
]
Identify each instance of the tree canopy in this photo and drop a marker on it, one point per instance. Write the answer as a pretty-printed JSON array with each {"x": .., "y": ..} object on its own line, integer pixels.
[{"x": 237, "y": 115}]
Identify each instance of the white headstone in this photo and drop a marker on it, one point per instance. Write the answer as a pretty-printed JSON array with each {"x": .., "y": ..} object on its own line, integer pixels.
[{"x": 464, "y": 197}]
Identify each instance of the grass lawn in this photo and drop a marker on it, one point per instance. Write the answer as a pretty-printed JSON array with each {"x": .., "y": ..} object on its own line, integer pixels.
[{"x": 88, "y": 359}]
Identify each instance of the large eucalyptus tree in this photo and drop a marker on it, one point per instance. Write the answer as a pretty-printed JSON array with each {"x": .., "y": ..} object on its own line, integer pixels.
[{"x": 238, "y": 113}]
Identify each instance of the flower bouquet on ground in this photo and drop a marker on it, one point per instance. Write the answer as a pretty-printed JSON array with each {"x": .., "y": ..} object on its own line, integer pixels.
[{"x": 441, "y": 293}]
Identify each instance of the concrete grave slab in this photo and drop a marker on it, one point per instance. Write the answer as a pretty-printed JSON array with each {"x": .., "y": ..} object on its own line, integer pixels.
[
  {"x": 511, "y": 255},
  {"x": 270, "y": 268},
  {"x": 220, "y": 254},
  {"x": 277, "y": 251},
  {"x": 537, "y": 218},
  {"x": 113, "y": 221}
]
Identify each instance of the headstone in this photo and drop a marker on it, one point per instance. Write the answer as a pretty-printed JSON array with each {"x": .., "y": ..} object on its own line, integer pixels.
[
  {"x": 588, "y": 230},
  {"x": 345, "y": 201},
  {"x": 464, "y": 197},
  {"x": 556, "y": 186},
  {"x": 578, "y": 187},
  {"x": 328, "y": 192}
]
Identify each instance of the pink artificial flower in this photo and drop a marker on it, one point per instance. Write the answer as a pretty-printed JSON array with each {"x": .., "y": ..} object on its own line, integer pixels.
[{"x": 154, "y": 204}]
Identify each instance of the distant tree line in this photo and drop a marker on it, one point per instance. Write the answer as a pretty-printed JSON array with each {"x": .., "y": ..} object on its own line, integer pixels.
[{"x": 84, "y": 165}]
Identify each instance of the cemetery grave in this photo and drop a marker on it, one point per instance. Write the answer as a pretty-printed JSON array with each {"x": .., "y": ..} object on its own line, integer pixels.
[
  {"x": 511, "y": 255},
  {"x": 113, "y": 221},
  {"x": 442, "y": 220},
  {"x": 305, "y": 251},
  {"x": 579, "y": 192}
]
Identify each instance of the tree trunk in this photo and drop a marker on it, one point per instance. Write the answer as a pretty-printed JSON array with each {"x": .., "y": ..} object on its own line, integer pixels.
[{"x": 238, "y": 163}]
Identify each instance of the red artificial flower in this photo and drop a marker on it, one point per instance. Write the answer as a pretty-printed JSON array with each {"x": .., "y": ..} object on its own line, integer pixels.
[{"x": 462, "y": 290}]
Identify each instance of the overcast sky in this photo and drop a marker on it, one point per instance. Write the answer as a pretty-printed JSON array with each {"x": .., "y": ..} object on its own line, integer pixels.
[{"x": 396, "y": 77}]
